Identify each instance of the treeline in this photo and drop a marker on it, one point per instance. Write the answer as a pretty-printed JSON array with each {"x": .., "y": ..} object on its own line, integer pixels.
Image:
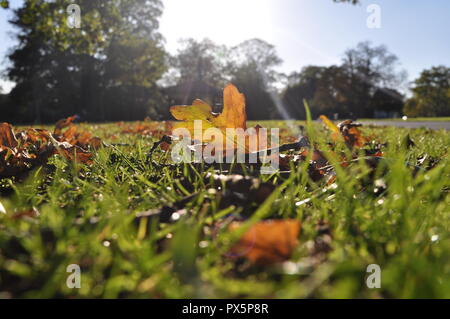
[
  {"x": 106, "y": 70},
  {"x": 115, "y": 67}
]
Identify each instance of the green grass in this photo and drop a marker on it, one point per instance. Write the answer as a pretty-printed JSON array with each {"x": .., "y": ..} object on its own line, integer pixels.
[
  {"x": 87, "y": 217},
  {"x": 411, "y": 119}
]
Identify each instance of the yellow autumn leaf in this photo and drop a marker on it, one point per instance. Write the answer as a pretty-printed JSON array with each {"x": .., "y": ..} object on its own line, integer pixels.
[
  {"x": 232, "y": 116},
  {"x": 329, "y": 124},
  {"x": 198, "y": 110}
]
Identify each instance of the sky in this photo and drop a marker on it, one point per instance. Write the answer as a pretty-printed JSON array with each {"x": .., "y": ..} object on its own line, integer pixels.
[{"x": 305, "y": 32}]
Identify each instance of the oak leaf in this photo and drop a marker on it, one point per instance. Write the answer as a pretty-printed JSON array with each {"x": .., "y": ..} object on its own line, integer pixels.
[{"x": 232, "y": 116}]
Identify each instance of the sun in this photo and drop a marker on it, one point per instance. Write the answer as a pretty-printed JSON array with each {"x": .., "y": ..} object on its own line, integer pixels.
[{"x": 224, "y": 22}]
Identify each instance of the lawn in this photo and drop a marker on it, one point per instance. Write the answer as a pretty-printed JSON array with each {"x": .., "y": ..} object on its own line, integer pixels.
[
  {"x": 143, "y": 227},
  {"x": 411, "y": 119}
]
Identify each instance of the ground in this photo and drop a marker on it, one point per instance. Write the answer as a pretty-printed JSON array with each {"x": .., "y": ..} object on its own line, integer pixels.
[
  {"x": 142, "y": 227},
  {"x": 437, "y": 124}
]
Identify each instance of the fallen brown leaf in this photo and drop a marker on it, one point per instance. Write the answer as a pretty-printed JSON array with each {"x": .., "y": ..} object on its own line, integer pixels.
[{"x": 267, "y": 242}]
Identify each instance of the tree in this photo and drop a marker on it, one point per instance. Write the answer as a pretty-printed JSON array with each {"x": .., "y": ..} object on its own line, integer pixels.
[
  {"x": 302, "y": 86},
  {"x": 369, "y": 68},
  {"x": 325, "y": 89},
  {"x": 332, "y": 93},
  {"x": 197, "y": 71},
  {"x": 431, "y": 93},
  {"x": 252, "y": 69},
  {"x": 375, "y": 65},
  {"x": 387, "y": 101},
  {"x": 199, "y": 60},
  {"x": 201, "y": 68},
  {"x": 59, "y": 70},
  {"x": 258, "y": 53},
  {"x": 364, "y": 84},
  {"x": 5, "y": 109}
]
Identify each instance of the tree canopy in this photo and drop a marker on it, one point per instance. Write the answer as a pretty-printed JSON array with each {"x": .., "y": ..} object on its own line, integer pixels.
[
  {"x": 431, "y": 93},
  {"x": 200, "y": 66},
  {"x": 365, "y": 83},
  {"x": 118, "y": 52}
]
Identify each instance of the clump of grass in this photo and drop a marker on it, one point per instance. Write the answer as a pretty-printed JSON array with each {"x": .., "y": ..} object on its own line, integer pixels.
[{"x": 396, "y": 216}]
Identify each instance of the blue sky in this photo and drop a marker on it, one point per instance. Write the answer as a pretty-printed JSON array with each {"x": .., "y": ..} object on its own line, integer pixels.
[{"x": 305, "y": 31}]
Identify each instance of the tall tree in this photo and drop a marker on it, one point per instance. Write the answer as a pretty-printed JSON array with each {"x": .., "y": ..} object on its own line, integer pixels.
[
  {"x": 60, "y": 70},
  {"x": 369, "y": 68},
  {"x": 201, "y": 68},
  {"x": 431, "y": 93},
  {"x": 302, "y": 86},
  {"x": 197, "y": 71},
  {"x": 252, "y": 68},
  {"x": 199, "y": 60},
  {"x": 325, "y": 88},
  {"x": 387, "y": 101},
  {"x": 364, "y": 84}
]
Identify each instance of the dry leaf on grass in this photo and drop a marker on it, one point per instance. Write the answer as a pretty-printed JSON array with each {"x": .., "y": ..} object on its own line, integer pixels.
[
  {"x": 227, "y": 131},
  {"x": 232, "y": 116},
  {"x": 22, "y": 151},
  {"x": 349, "y": 131},
  {"x": 267, "y": 242},
  {"x": 64, "y": 123}
]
